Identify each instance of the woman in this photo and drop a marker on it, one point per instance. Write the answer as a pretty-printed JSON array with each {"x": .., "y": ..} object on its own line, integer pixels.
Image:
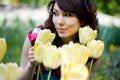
[{"x": 65, "y": 19}]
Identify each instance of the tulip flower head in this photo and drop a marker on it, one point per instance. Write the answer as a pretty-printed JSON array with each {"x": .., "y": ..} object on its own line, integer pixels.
[
  {"x": 74, "y": 71},
  {"x": 86, "y": 34},
  {"x": 9, "y": 71},
  {"x": 96, "y": 48},
  {"x": 13, "y": 69},
  {"x": 3, "y": 47},
  {"x": 52, "y": 57},
  {"x": 74, "y": 52},
  {"x": 45, "y": 36}
]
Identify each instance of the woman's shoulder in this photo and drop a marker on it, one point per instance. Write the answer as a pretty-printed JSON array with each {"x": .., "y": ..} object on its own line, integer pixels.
[{"x": 33, "y": 34}]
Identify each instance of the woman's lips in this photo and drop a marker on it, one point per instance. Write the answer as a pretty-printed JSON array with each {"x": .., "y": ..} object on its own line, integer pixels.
[{"x": 61, "y": 30}]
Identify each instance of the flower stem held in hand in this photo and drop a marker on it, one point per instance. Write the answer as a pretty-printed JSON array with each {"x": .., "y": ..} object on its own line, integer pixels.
[
  {"x": 50, "y": 71},
  {"x": 91, "y": 64},
  {"x": 39, "y": 72}
]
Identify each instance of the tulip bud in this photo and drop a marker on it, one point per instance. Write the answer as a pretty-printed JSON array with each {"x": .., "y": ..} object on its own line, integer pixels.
[
  {"x": 45, "y": 36},
  {"x": 86, "y": 34},
  {"x": 96, "y": 48},
  {"x": 3, "y": 47},
  {"x": 74, "y": 71},
  {"x": 52, "y": 57}
]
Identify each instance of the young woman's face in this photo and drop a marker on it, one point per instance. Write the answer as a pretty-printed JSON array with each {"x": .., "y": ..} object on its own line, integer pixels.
[{"x": 66, "y": 24}]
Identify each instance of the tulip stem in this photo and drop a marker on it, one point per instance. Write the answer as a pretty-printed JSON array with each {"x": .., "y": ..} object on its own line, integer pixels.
[
  {"x": 49, "y": 74},
  {"x": 39, "y": 72},
  {"x": 91, "y": 64}
]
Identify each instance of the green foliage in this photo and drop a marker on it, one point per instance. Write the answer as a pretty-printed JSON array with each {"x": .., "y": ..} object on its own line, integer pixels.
[
  {"x": 108, "y": 68},
  {"x": 34, "y": 3},
  {"x": 111, "y": 7},
  {"x": 15, "y": 36},
  {"x": 110, "y": 35}
]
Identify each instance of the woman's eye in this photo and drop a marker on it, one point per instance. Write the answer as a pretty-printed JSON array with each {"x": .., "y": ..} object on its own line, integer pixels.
[
  {"x": 68, "y": 15},
  {"x": 55, "y": 14}
]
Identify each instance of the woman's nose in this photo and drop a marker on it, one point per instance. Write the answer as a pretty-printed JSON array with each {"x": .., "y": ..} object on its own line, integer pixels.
[{"x": 60, "y": 20}]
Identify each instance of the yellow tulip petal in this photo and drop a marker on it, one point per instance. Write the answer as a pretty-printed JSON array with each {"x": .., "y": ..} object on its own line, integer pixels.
[
  {"x": 74, "y": 71},
  {"x": 3, "y": 47},
  {"x": 76, "y": 44},
  {"x": 38, "y": 50},
  {"x": 18, "y": 72},
  {"x": 3, "y": 72},
  {"x": 84, "y": 58},
  {"x": 92, "y": 35}
]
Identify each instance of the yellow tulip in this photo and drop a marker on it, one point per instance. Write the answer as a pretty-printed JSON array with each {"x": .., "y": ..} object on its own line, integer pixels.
[
  {"x": 52, "y": 57},
  {"x": 112, "y": 48},
  {"x": 18, "y": 72},
  {"x": 38, "y": 50},
  {"x": 11, "y": 68},
  {"x": 74, "y": 71},
  {"x": 9, "y": 71},
  {"x": 13, "y": 71},
  {"x": 86, "y": 34},
  {"x": 45, "y": 36},
  {"x": 74, "y": 52},
  {"x": 3, "y": 47},
  {"x": 100, "y": 77},
  {"x": 3, "y": 72},
  {"x": 96, "y": 48}
]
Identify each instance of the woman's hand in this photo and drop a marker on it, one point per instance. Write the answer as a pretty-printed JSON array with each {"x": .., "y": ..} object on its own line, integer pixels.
[
  {"x": 32, "y": 62},
  {"x": 28, "y": 72}
]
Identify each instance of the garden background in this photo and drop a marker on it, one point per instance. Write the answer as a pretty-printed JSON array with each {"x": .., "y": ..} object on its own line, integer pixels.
[{"x": 18, "y": 17}]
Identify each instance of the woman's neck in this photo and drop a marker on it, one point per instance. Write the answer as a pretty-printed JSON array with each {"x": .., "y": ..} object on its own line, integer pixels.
[{"x": 67, "y": 40}]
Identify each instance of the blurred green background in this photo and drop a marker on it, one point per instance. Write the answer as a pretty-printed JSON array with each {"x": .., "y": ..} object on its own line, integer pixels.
[{"x": 15, "y": 33}]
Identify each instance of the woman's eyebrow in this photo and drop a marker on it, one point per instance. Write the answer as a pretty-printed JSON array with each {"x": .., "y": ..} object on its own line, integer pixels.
[{"x": 55, "y": 10}]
